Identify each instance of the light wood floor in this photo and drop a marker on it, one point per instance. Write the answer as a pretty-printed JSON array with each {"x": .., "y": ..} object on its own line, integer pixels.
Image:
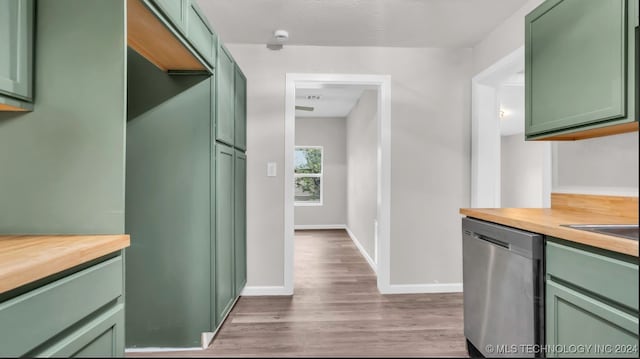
[{"x": 337, "y": 311}]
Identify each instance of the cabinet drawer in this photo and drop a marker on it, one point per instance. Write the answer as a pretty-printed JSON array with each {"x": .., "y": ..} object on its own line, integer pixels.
[
  {"x": 200, "y": 36},
  {"x": 31, "y": 319},
  {"x": 612, "y": 278},
  {"x": 102, "y": 337},
  {"x": 574, "y": 318}
]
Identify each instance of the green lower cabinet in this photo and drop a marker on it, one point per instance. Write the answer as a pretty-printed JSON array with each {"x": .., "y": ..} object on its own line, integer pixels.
[
  {"x": 591, "y": 302},
  {"x": 577, "y": 319},
  {"x": 224, "y": 242},
  {"x": 102, "y": 337},
  {"x": 69, "y": 316},
  {"x": 240, "y": 220}
]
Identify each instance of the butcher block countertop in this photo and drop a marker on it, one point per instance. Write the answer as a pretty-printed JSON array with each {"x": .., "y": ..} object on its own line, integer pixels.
[
  {"x": 27, "y": 258},
  {"x": 565, "y": 210}
]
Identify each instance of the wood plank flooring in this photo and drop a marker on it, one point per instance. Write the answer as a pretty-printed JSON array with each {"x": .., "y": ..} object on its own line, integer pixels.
[{"x": 337, "y": 311}]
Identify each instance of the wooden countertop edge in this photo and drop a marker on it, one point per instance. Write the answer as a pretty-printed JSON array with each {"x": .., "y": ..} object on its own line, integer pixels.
[
  {"x": 27, "y": 258},
  {"x": 602, "y": 241}
]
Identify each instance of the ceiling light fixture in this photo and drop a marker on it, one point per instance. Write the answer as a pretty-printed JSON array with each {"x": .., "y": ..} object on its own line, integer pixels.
[
  {"x": 281, "y": 35},
  {"x": 279, "y": 38}
]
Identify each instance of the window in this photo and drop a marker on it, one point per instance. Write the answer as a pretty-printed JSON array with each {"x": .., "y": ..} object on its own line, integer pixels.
[{"x": 308, "y": 175}]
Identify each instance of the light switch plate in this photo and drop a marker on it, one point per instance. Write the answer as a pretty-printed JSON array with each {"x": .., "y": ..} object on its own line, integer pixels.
[{"x": 271, "y": 169}]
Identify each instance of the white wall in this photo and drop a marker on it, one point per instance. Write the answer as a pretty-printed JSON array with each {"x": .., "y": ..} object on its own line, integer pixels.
[
  {"x": 330, "y": 133},
  {"x": 521, "y": 172},
  {"x": 605, "y": 165},
  {"x": 362, "y": 170},
  {"x": 503, "y": 40},
  {"x": 430, "y": 152},
  {"x": 618, "y": 154}
]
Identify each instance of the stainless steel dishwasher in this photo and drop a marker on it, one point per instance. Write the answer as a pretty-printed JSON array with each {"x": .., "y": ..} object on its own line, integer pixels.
[{"x": 503, "y": 280}]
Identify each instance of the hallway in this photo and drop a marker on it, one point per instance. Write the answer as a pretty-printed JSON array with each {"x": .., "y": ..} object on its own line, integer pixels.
[{"x": 337, "y": 311}]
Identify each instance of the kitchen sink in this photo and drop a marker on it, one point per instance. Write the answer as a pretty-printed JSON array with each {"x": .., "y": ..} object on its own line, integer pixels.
[{"x": 629, "y": 231}]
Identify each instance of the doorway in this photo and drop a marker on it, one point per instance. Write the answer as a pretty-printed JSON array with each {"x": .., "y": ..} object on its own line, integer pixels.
[
  {"x": 506, "y": 170},
  {"x": 306, "y": 187}
]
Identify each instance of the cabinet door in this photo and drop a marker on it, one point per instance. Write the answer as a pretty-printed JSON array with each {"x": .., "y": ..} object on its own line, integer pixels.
[
  {"x": 175, "y": 11},
  {"x": 102, "y": 337},
  {"x": 576, "y": 64},
  {"x": 240, "y": 110},
  {"x": 16, "y": 48},
  {"x": 200, "y": 35},
  {"x": 575, "y": 318},
  {"x": 224, "y": 248},
  {"x": 225, "y": 98},
  {"x": 240, "y": 223}
]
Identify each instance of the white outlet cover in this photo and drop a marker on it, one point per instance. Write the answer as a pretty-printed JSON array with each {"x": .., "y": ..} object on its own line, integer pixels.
[{"x": 271, "y": 169}]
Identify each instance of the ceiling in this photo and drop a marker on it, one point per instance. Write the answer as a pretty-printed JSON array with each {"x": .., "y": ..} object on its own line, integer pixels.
[
  {"x": 399, "y": 23},
  {"x": 333, "y": 101}
]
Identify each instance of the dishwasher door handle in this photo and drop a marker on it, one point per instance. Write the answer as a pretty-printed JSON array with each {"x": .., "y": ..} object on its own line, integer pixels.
[{"x": 497, "y": 242}]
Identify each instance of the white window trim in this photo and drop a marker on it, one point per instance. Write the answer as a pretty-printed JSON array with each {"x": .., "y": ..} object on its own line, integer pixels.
[{"x": 319, "y": 175}]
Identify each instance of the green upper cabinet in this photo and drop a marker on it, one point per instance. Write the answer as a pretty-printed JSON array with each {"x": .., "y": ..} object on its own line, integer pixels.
[
  {"x": 16, "y": 49},
  {"x": 200, "y": 34},
  {"x": 591, "y": 299},
  {"x": 240, "y": 220},
  {"x": 224, "y": 227},
  {"x": 175, "y": 11},
  {"x": 225, "y": 97},
  {"x": 579, "y": 69},
  {"x": 240, "y": 110}
]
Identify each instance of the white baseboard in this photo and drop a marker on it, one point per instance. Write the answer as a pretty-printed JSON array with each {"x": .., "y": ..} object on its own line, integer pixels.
[
  {"x": 158, "y": 349},
  {"x": 364, "y": 253},
  {"x": 265, "y": 291},
  {"x": 423, "y": 288},
  {"x": 320, "y": 226}
]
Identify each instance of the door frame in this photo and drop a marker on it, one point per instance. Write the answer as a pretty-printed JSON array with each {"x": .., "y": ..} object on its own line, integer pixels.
[
  {"x": 485, "y": 134},
  {"x": 382, "y": 83}
]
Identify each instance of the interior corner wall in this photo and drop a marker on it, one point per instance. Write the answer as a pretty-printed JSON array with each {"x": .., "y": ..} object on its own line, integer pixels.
[
  {"x": 584, "y": 157},
  {"x": 362, "y": 170},
  {"x": 430, "y": 152},
  {"x": 62, "y": 165},
  {"x": 604, "y": 165},
  {"x": 330, "y": 133},
  {"x": 503, "y": 40}
]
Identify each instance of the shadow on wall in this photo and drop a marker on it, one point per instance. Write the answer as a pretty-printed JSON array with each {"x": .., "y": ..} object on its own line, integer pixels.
[{"x": 140, "y": 96}]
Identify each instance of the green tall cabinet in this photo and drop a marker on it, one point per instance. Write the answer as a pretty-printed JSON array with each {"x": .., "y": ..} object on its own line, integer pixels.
[
  {"x": 580, "y": 63},
  {"x": 185, "y": 205},
  {"x": 186, "y": 192},
  {"x": 591, "y": 299}
]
